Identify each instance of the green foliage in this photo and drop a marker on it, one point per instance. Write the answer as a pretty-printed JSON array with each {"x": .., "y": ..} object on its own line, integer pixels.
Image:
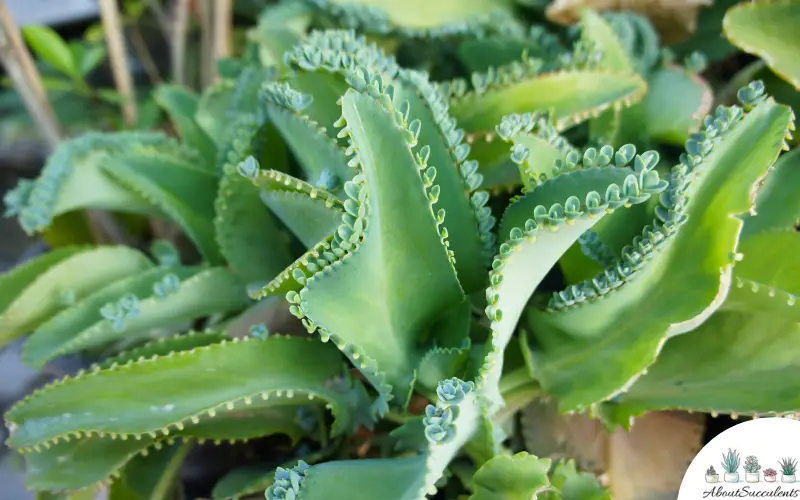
[
  {"x": 731, "y": 461},
  {"x": 341, "y": 278}
]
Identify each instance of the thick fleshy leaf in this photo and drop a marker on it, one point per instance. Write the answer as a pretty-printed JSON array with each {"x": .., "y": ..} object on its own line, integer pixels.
[
  {"x": 68, "y": 280},
  {"x": 249, "y": 236},
  {"x": 537, "y": 231},
  {"x": 517, "y": 477},
  {"x": 733, "y": 363},
  {"x": 665, "y": 291},
  {"x": 180, "y": 190},
  {"x": 569, "y": 96},
  {"x": 15, "y": 281},
  {"x": 467, "y": 220},
  {"x": 777, "y": 206},
  {"x": 186, "y": 295},
  {"x": 767, "y": 30},
  {"x": 280, "y": 26},
  {"x": 388, "y": 204},
  {"x": 675, "y": 104},
  {"x": 139, "y": 398},
  {"x": 165, "y": 345},
  {"x": 312, "y": 214},
  {"x": 73, "y": 178}
]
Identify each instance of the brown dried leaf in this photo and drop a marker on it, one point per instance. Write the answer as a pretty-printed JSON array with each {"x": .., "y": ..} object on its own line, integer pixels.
[
  {"x": 675, "y": 20},
  {"x": 647, "y": 463}
]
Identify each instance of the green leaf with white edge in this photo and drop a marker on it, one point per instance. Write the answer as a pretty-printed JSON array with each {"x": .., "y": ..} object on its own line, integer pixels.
[
  {"x": 388, "y": 204},
  {"x": 468, "y": 221},
  {"x": 766, "y": 30},
  {"x": 326, "y": 88},
  {"x": 70, "y": 279},
  {"x": 249, "y": 237},
  {"x": 181, "y": 106},
  {"x": 185, "y": 193},
  {"x": 314, "y": 149},
  {"x": 675, "y": 104},
  {"x": 537, "y": 232},
  {"x": 162, "y": 346},
  {"x": 541, "y": 157},
  {"x": 777, "y": 203},
  {"x": 285, "y": 281},
  {"x": 311, "y": 213},
  {"x": 569, "y": 96},
  {"x": 671, "y": 293},
  {"x": 518, "y": 477},
  {"x": 15, "y": 281},
  {"x": 733, "y": 363},
  {"x": 265, "y": 373},
  {"x": 49, "y": 45},
  {"x": 51, "y": 337},
  {"x": 191, "y": 296}
]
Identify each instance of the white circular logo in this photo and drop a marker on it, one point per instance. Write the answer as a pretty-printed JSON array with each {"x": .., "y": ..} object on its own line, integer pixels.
[{"x": 755, "y": 459}]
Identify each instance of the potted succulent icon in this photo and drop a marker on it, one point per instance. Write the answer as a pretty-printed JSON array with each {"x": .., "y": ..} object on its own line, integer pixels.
[
  {"x": 751, "y": 468},
  {"x": 770, "y": 475},
  {"x": 788, "y": 468},
  {"x": 711, "y": 475},
  {"x": 730, "y": 464}
]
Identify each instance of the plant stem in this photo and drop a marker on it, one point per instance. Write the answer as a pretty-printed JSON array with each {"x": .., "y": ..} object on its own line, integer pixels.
[
  {"x": 112, "y": 26},
  {"x": 205, "y": 12},
  {"x": 140, "y": 46},
  {"x": 180, "y": 29},
  {"x": 161, "y": 17},
  {"x": 223, "y": 27},
  {"x": 26, "y": 78}
]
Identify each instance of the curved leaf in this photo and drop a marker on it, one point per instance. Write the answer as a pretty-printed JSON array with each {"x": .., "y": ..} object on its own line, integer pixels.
[
  {"x": 165, "y": 395},
  {"x": 356, "y": 300},
  {"x": 181, "y": 106},
  {"x": 69, "y": 280},
  {"x": 766, "y": 30},
  {"x": 518, "y": 477},
  {"x": 587, "y": 339}
]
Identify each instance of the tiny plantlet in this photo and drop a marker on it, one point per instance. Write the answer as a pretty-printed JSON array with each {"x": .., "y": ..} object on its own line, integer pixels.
[{"x": 383, "y": 264}]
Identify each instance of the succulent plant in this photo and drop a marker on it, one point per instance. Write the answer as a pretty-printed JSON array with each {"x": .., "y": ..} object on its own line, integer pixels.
[
  {"x": 731, "y": 461},
  {"x": 770, "y": 472},
  {"x": 751, "y": 464},
  {"x": 788, "y": 466},
  {"x": 366, "y": 198},
  {"x": 711, "y": 471}
]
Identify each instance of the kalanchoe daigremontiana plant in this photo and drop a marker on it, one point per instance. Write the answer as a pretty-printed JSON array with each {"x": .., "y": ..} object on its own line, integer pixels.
[{"x": 352, "y": 193}]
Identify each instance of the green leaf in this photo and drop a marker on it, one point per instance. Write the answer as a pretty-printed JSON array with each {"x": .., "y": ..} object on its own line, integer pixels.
[
  {"x": 733, "y": 363},
  {"x": 574, "y": 485},
  {"x": 52, "y": 337},
  {"x": 777, "y": 206},
  {"x": 314, "y": 149},
  {"x": 49, "y": 45},
  {"x": 358, "y": 300},
  {"x": 312, "y": 214},
  {"x": 534, "y": 241},
  {"x": 213, "y": 104},
  {"x": 766, "y": 30},
  {"x": 518, "y": 477},
  {"x": 675, "y": 104},
  {"x": 155, "y": 476},
  {"x": 280, "y": 27},
  {"x": 248, "y": 234},
  {"x": 15, "y": 281},
  {"x": 182, "y": 191},
  {"x": 423, "y": 15},
  {"x": 181, "y": 106},
  {"x": 467, "y": 220},
  {"x": 198, "y": 294},
  {"x": 162, "y": 346},
  {"x": 185, "y": 389},
  {"x": 570, "y": 97},
  {"x": 91, "y": 58},
  {"x": 668, "y": 290},
  {"x": 67, "y": 279}
]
